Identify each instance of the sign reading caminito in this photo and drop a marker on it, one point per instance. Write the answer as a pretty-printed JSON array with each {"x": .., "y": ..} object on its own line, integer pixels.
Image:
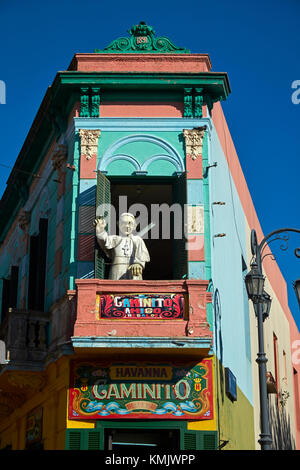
[
  {"x": 132, "y": 306},
  {"x": 141, "y": 390}
]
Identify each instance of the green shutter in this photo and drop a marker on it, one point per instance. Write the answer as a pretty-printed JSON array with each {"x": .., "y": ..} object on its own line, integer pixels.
[
  {"x": 74, "y": 439},
  {"x": 200, "y": 440},
  {"x": 180, "y": 267},
  {"x": 83, "y": 439},
  {"x": 93, "y": 440},
  {"x": 190, "y": 440},
  {"x": 102, "y": 197},
  {"x": 208, "y": 440}
]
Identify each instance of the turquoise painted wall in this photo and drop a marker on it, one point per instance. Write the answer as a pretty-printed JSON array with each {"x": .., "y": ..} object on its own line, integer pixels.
[{"x": 232, "y": 332}]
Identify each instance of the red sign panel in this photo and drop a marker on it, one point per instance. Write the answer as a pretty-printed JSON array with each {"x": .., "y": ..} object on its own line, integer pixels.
[{"x": 147, "y": 306}]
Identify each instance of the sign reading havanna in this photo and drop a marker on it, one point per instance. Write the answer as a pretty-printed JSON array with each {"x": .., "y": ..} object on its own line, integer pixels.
[
  {"x": 150, "y": 306},
  {"x": 141, "y": 390}
]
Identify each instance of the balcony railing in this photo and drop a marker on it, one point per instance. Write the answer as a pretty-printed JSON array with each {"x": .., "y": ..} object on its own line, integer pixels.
[{"x": 24, "y": 333}]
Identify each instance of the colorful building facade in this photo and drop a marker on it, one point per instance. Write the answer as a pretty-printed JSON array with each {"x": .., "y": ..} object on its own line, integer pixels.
[{"x": 167, "y": 361}]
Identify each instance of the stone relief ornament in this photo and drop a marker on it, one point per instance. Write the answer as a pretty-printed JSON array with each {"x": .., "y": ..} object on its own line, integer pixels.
[
  {"x": 194, "y": 142},
  {"x": 89, "y": 142}
]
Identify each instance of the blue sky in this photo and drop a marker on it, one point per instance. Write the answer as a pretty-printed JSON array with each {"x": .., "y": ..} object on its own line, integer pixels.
[{"x": 256, "y": 42}]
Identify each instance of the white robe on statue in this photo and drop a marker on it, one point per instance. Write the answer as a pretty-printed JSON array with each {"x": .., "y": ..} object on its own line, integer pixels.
[{"x": 124, "y": 251}]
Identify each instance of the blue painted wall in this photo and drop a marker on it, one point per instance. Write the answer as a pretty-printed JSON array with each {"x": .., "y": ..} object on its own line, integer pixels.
[{"x": 231, "y": 311}]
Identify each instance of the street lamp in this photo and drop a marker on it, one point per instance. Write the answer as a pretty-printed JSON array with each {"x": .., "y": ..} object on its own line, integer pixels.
[{"x": 254, "y": 281}]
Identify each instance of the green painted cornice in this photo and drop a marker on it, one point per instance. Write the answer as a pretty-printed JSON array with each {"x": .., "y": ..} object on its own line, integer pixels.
[
  {"x": 142, "y": 40},
  {"x": 214, "y": 83}
]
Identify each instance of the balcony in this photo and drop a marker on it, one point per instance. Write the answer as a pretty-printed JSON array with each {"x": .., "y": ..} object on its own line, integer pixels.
[
  {"x": 108, "y": 316},
  {"x": 24, "y": 333}
]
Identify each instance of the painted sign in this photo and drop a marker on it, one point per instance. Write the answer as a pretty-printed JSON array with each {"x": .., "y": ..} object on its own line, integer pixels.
[
  {"x": 141, "y": 390},
  {"x": 133, "y": 306},
  {"x": 34, "y": 427}
]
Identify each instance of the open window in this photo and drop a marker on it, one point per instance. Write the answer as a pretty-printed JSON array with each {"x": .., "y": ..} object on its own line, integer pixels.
[{"x": 158, "y": 206}]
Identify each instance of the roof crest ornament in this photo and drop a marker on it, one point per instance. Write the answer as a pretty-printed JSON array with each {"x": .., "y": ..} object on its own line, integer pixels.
[{"x": 142, "y": 40}]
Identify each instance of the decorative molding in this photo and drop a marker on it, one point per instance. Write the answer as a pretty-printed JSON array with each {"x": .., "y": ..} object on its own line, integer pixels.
[
  {"x": 59, "y": 156},
  {"x": 142, "y": 39},
  {"x": 89, "y": 142},
  {"x": 169, "y": 153},
  {"x": 140, "y": 125},
  {"x": 194, "y": 142},
  {"x": 24, "y": 220}
]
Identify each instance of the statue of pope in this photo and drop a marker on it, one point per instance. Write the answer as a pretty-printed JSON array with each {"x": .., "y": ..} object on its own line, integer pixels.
[{"x": 128, "y": 252}]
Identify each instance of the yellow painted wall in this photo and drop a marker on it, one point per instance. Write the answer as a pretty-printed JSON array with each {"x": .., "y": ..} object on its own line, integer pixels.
[{"x": 53, "y": 399}]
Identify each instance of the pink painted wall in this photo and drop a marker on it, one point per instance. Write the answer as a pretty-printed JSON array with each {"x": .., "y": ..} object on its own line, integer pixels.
[
  {"x": 172, "y": 63},
  {"x": 140, "y": 109}
]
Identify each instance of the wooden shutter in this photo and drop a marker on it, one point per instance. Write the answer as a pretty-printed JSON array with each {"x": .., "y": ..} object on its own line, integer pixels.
[
  {"x": 190, "y": 440},
  {"x": 200, "y": 440},
  {"x": 33, "y": 262},
  {"x": 37, "y": 267},
  {"x": 83, "y": 439},
  {"x": 13, "y": 287},
  {"x": 102, "y": 197},
  {"x": 180, "y": 267},
  {"x": 93, "y": 440},
  {"x": 74, "y": 439},
  {"x": 42, "y": 260},
  {"x": 208, "y": 440}
]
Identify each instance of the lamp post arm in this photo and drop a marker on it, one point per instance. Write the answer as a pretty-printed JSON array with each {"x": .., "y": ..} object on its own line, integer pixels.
[
  {"x": 275, "y": 232},
  {"x": 258, "y": 248}
]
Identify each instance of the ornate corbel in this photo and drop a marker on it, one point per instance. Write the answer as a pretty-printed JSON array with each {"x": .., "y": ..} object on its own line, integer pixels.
[
  {"x": 59, "y": 157},
  {"x": 198, "y": 102},
  {"x": 194, "y": 142},
  {"x": 89, "y": 142},
  {"x": 84, "y": 102},
  {"x": 95, "y": 101},
  {"x": 188, "y": 103}
]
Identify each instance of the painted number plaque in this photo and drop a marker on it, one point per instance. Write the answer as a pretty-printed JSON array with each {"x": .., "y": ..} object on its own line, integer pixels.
[
  {"x": 104, "y": 390},
  {"x": 149, "y": 306}
]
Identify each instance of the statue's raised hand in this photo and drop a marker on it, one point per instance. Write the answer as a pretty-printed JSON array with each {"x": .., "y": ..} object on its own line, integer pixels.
[{"x": 99, "y": 224}]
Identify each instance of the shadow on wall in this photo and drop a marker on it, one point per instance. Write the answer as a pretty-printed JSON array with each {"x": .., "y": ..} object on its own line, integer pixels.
[
  {"x": 218, "y": 339},
  {"x": 281, "y": 429}
]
